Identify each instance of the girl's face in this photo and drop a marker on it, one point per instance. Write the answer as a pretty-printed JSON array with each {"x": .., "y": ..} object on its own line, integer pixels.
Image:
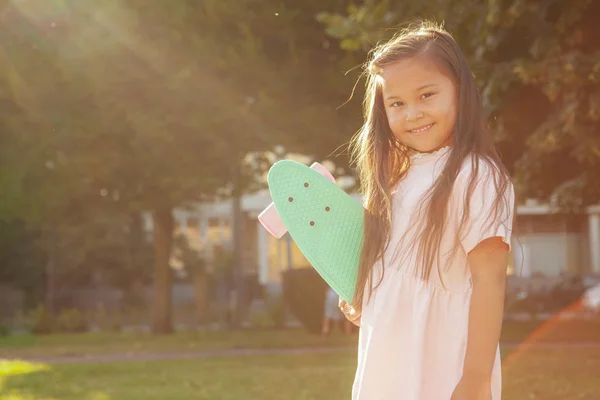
[{"x": 420, "y": 102}]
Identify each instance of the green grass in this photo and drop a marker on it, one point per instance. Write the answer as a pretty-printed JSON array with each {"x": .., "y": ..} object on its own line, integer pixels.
[
  {"x": 29, "y": 346},
  {"x": 529, "y": 374},
  {"x": 267, "y": 377},
  {"x": 560, "y": 374},
  {"x": 552, "y": 331},
  {"x": 137, "y": 343}
]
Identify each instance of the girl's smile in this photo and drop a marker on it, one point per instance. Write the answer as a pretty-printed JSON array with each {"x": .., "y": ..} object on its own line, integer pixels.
[{"x": 421, "y": 130}]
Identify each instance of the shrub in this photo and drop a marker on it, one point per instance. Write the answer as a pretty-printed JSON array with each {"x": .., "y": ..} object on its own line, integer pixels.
[
  {"x": 260, "y": 319},
  {"x": 40, "y": 321},
  {"x": 4, "y": 330},
  {"x": 304, "y": 293},
  {"x": 72, "y": 321},
  {"x": 108, "y": 322},
  {"x": 275, "y": 310}
]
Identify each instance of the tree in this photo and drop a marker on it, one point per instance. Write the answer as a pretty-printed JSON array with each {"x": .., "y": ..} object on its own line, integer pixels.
[
  {"x": 21, "y": 259},
  {"x": 204, "y": 92},
  {"x": 40, "y": 183},
  {"x": 104, "y": 126},
  {"x": 537, "y": 63},
  {"x": 154, "y": 106},
  {"x": 547, "y": 90},
  {"x": 196, "y": 267}
]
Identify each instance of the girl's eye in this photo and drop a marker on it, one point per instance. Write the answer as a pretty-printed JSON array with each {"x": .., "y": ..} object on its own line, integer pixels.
[
  {"x": 397, "y": 104},
  {"x": 427, "y": 95}
]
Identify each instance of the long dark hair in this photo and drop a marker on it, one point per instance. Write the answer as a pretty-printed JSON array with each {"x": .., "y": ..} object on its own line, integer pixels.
[{"x": 382, "y": 162}]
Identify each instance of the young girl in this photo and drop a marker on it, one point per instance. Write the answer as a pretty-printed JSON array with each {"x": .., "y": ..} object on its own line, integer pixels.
[{"x": 430, "y": 293}]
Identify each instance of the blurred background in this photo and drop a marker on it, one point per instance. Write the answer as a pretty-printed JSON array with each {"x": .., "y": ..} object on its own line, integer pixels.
[{"x": 135, "y": 138}]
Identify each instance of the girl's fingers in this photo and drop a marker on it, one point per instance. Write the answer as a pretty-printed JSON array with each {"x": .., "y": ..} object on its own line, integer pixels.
[{"x": 349, "y": 312}]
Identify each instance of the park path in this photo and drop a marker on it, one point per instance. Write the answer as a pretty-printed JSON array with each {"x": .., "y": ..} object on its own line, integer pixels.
[{"x": 159, "y": 356}]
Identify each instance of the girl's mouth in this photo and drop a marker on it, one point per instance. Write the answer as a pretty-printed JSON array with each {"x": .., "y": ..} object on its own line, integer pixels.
[{"x": 421, "y": 130}]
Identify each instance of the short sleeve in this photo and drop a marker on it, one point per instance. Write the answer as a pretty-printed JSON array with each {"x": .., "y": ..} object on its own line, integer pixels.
[{"x": 484, "y": 216}]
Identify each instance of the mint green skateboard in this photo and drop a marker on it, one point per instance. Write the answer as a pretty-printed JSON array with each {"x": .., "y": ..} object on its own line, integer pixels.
[{"x": 324, "y": 221}]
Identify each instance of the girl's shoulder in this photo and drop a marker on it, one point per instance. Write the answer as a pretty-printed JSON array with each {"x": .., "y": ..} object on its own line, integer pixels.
[
  {"x": 481, "y": 168},
  {"x": 480, "y": 178},
  {"x": 484, "y": 195}
]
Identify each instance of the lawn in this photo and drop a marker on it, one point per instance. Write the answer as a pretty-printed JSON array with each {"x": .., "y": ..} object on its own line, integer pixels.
[
  {"x": 28, "y": 346},
  {"x": 565, "y": 370},
  {"x": 265, "y": 377},
  {"x": 559, "y": 374},
  {"x": 529, "y": 374},
  {"x": 132, "y": 343}
]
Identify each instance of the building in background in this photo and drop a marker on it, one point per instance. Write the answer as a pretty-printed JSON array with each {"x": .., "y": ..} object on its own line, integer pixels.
[
  {"x": 544, "y": 242},
  {"x": 551, "y": 243}
]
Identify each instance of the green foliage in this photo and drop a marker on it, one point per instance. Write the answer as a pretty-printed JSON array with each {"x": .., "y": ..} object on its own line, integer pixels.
[
  {"x": 143, "y": 106},
  {"x": 260, "y": 319},
  {"x": 108, "y": 321},
  {"x": 275, "y": 309},
  {"x": 5, "y": 330},
  {"x": 537, "y": 64},
  {"x": 72, "y": 321},
  {"x": 363, "y": 25},
  {"x": 224, "y": 261},
  {"x": 271, "y": 315},
  {"x": 21, "y": 257},
  {"x": 40, "y": 321},
  {"x": 559, "y": 71},
  {"x": 187, "y": 257}
]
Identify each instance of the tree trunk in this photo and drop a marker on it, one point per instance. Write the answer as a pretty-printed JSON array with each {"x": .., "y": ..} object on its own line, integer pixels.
[
  {"x": 163, "y": 239},
  {"x": 50, "y": 271},
  {"x": 238, "y": 245},
  {"x": 238, "y": 272},
  {"x": 201, "y": 296}
]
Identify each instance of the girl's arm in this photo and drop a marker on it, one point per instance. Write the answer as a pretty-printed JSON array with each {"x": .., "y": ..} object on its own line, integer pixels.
[
  {"x": 488, "y": 260},
  {"x": 487, "y": 263}
]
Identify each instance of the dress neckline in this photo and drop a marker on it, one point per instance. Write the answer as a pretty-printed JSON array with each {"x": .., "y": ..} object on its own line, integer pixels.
[{"x": 421, "y": 157}]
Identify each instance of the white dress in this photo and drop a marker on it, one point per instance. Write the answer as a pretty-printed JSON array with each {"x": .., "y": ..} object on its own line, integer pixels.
[{"x": 413, "y": 334}]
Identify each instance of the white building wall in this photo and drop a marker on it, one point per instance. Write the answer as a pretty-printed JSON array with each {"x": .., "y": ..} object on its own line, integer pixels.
[
  {"x": 594, "y": 237},
  {"x": 549, "y": 254}
]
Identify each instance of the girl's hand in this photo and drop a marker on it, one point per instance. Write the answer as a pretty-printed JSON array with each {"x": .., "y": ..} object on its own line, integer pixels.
[
  {"x": 472, "y": 389},
  {"x": 349, "y": 312}
]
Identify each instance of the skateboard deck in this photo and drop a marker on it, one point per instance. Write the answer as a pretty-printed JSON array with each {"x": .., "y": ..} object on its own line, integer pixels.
[{"x": 324, "y": 221}]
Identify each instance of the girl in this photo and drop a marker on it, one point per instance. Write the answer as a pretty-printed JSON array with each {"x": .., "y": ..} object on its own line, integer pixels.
[{"x": 430, "y": 293}]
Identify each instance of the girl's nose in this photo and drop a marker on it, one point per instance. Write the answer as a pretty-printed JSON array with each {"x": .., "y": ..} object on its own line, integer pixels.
[{"x": 413, "y": 114}]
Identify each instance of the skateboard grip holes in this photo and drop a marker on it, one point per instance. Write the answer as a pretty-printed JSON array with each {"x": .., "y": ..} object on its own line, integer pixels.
[
  {"x": 290, "y": 199},
  {"x": 312, "y": 223},
  {"x": 327, "y": 208},
  {"x": 306, "y": 184}
]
